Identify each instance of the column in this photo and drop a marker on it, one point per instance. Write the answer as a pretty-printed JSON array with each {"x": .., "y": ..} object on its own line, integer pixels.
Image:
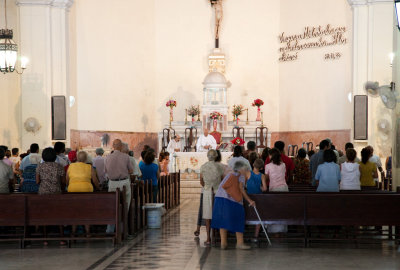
[
  {"x": 44, "y": 40},
  {"x": 396, "y": 112},
  {"x": 372, "y": 44}
]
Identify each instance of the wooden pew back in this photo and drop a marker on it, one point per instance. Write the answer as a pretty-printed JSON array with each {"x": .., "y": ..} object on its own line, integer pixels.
[
  {"x": 73, "y": 209},
  {"x": 346, "y": 209},
  {"x": 12, "y": 209}
]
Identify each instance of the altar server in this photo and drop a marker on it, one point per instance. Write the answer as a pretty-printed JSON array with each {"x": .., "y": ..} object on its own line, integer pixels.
[
  {"x": 174, "y": 145},
  {"x": 206, "y": 142}
]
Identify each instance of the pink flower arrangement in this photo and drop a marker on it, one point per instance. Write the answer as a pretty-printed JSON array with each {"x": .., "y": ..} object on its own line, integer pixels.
[
  {"x": 171, "y": 103},
  {"x": 257, "y": 103},
  {"x": 238, "y": 141},
  {"x": 193, "y": 111},
  {"x": 215, "y": 116}
]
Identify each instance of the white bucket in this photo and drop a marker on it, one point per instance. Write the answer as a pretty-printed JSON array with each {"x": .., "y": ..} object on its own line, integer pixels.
[{"x": 154, "y": 213}]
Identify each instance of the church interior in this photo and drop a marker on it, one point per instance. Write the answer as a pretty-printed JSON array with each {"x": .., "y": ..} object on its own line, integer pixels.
[{"x": 171, "y": 83}]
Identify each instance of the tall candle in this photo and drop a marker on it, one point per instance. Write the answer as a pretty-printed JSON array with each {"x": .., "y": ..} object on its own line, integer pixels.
[
  {"x": 198, "y": 116},
  {"x": 262, "y": 119}
]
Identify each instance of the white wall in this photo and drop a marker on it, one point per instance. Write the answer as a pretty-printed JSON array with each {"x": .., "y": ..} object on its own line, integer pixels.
[
  {"x": 138, "y": 54},
  {"x": 184, "y": 38},
  {"x": 161, "y": 53},
  {"x": 10, "y": 92},
  {"x": 114, "y": 54},
  {"x": 313, "y": 91}
]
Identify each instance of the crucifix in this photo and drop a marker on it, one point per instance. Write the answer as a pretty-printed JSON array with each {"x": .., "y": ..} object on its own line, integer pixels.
[{"x": 217, "y": 5}]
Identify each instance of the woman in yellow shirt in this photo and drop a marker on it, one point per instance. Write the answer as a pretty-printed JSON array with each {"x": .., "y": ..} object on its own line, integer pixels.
[
  {"x": 80, "y": 175},
  {"x": 368, "y": 169},
  {"x": 79, "y": 179}
]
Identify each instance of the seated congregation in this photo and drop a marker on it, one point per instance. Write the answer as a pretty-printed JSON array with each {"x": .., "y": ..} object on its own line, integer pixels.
[
  {"x": 88, "y": 192},
  {"x": 282, "y": 189}
]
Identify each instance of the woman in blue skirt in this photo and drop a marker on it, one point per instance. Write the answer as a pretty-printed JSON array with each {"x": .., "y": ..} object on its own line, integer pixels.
[{"x": 228, "y": 212}]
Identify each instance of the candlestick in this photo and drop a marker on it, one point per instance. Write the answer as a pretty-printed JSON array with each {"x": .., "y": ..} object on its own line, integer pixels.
[
  {"x": 186, "y": 117},
  {"x": 262, "y": 119},
  {"x": 247, "y": 117},
  {"x": 198, "y": 116}
]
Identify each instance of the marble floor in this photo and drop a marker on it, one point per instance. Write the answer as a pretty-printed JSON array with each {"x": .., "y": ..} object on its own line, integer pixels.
[{"x": 173, "y": 247}]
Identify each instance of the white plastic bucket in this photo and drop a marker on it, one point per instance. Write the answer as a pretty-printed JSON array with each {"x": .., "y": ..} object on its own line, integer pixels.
[{"x": 154, "y": 213}]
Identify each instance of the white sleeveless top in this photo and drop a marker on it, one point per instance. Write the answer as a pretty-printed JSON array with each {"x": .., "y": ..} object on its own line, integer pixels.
[{"x": 350, "y": 176}]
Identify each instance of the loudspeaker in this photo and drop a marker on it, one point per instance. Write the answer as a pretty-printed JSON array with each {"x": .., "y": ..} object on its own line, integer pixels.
[
  {"x": 361, "y": 117},
  {"x": 58, "y": 118}
]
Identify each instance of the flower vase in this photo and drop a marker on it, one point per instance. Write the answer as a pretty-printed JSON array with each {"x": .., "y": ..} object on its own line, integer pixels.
[
  {"x": 215, "y": 124},
  {"x": 193, "y": 120},
  {"x": 237, "y": 121},
  {"x": 258, "y": 114},
  {"x": 171, "y": 115}
]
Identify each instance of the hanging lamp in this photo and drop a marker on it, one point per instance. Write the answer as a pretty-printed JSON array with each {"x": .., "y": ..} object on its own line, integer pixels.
[{"x": 9, "y": 49}]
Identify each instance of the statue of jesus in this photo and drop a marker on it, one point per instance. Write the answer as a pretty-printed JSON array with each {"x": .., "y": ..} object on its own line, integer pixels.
[{"x": 217, "y": 5}]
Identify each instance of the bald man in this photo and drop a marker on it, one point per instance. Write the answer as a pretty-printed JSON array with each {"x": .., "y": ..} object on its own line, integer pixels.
[
  {"x": 118, "y": 168},
  {"x": 206, "y": 142}
]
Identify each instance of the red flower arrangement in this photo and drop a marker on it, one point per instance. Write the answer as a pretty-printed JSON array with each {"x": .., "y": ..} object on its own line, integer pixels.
[
  {"x": 171, "y": 103},
  {"x": 257, "y": 103},
  {"x": 238, "y": 141},
  {"x": 215, "y": 116}
]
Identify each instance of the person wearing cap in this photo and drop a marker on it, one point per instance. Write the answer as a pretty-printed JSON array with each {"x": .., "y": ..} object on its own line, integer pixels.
[
  {"x": 98, "y": 165},
  {"x": 72, "y": 156}
]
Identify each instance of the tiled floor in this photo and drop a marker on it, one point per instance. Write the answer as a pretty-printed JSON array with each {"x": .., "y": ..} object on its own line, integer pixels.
[{"x": 173, "y": 247}]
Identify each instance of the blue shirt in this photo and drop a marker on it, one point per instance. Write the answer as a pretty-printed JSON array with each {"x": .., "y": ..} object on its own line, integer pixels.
[
  {"x": 149, "y": 172},
  {"x": 253, "y": 185},
  {"x": 25, "y": 162},
  {"x": 328, "y": 175}
]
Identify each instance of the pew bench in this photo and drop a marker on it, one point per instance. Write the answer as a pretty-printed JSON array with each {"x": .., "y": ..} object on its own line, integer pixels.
[
  {"x": 350, "y": 209},
  {"x": 12, "y": 213},
  {"x": 62, "y": 209}
]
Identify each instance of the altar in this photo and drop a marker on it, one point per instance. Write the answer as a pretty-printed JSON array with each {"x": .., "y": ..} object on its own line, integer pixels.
[{"x": 192, "y": 161}]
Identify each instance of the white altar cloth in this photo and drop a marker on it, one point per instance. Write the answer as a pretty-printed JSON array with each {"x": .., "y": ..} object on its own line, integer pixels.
[{"x": 194, "y": 160}]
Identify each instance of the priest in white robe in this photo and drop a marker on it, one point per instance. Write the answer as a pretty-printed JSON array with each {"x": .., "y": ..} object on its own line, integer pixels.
[
  {"x": 174, "y": 145},
  {"x": 206, "y": 142}
]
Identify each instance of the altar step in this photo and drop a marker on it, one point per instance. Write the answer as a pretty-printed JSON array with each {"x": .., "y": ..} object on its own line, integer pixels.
[{"x": 190, "y": 188}]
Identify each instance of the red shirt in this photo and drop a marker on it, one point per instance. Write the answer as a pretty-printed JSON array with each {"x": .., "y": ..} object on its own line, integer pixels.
[{"x": 288, "y": 162}]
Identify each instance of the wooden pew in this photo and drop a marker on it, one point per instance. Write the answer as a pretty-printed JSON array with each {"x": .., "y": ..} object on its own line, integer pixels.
[
  {"x": 142, "y": 194},
  {"x": 357, "y": 208},
  {"x": 12, "y": 213},
  {"x": 80, "y": 209},
  {"x": 75, "y": 209},
  {"x": 302, "y": 188},
  {"x": 353, "y": 209}
]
